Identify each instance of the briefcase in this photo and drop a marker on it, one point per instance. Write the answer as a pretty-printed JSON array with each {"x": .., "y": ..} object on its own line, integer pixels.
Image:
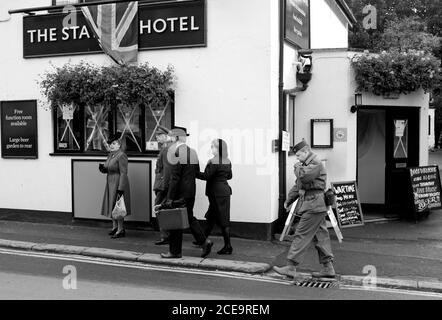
[{"x": 173, "y": 219}]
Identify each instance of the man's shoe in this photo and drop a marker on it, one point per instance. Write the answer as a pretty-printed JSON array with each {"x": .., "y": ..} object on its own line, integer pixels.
[
  {"x": 327, "y": 271},
  {"x": 113, "y": 231},
  {"x": 162, "y": 242},
  {"x": 120, "y": 234},
  {"x": 207, "y": 247},
  {"x": 288, "y": 270},
  {"x": 170, "y": 256}
]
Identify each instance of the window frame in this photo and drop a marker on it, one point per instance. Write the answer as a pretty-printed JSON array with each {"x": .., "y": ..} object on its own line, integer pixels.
[{"x": 82, "y": 152}]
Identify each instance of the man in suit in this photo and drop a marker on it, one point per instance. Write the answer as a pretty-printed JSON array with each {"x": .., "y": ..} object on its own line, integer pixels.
[
  {"x": 311, "y": 180},
  {"x": 162, "y": 175},
  {"x": 185, "y": 166}
]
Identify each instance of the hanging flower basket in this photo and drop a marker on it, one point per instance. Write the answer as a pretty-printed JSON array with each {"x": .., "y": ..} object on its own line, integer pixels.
[
  {"x": 304, "y": 77},
  {"x": 392, "y": 73}
]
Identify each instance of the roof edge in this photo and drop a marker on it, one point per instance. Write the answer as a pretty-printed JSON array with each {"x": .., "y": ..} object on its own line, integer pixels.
[{"x": 347, "y": 11}]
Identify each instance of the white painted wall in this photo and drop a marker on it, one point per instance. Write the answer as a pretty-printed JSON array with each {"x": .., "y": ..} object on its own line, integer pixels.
[
  {"x": 226, "y": 90},
  {"x": 327, "y": 30}
]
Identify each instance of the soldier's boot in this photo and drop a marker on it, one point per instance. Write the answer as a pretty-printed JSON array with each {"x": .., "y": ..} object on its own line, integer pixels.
[
  {"x": 327, "y": 271},
  {"x": 289, "y": 270}
]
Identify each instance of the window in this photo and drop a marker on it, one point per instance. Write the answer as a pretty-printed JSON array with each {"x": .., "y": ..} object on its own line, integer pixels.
[{"x": 86, "y": 130}]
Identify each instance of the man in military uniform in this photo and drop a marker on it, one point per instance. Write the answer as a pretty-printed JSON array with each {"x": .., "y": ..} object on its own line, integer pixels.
[{"x": 311, "y": 179}]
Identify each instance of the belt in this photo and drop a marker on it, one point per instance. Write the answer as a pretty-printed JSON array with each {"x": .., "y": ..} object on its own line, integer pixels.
[{"x": 313, "y": 192}]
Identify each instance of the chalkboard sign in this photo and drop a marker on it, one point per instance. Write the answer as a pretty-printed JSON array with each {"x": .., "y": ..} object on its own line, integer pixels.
[
  {"x": 426, "y": 188},
  {"x": 19, "y": 129},
  {"x": 348, "y": 207}
]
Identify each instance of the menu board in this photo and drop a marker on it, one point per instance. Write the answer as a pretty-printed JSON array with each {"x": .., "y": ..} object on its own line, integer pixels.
[
  {"x": 426, "y": 188},
  {"x": 348, "y": 207},
  {"x": 19, "y": 129}
]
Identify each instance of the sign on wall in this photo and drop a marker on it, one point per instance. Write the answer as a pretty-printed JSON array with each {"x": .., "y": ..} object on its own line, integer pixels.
[
  {"x": 19, "y": 129},
  {"x": 297, "y": 23},
  {"x": 348, "y": 206},
  {"x": 162, "y": 25},
  {"x": 426, "y": 188}
]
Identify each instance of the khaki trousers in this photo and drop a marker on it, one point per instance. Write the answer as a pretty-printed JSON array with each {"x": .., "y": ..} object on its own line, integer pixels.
[{"x": 311, "y": 228}]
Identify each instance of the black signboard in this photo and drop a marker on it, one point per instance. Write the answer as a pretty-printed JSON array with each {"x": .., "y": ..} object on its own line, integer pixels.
[
  {"x": 297, "y": 23},
  {"x": 348, "y": 207},
  {"x": 19, "y": 129},
  {"x": 426, "y": 188},
  {"x": 161, "y": 25}
]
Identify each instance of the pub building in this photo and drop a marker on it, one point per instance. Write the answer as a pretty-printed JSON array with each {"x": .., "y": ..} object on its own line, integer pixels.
[{"x": 260, "y": 74}]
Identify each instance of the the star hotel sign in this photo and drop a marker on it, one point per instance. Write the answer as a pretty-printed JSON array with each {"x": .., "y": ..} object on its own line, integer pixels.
[
  {"x": 163, "y": 25},
  {"x": 297, "y": 23}
]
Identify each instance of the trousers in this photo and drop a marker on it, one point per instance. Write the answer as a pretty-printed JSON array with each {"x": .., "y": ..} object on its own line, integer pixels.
[
  {"x": 176, "y": 236},
  {"x": 312, "y": 227}
]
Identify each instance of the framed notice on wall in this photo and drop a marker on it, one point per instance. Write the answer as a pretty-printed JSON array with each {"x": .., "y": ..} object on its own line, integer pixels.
[
  {"x": 297, "y": 23},
  {"x": 19, "y": 129},
  {"x": 322, "y": 133}
]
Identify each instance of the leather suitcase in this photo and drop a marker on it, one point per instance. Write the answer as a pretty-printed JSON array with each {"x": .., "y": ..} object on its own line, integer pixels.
[{"x": 173, "y": 219}]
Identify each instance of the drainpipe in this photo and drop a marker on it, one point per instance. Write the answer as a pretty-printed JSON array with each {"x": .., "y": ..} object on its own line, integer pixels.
[{"x": 282, "y": 161}]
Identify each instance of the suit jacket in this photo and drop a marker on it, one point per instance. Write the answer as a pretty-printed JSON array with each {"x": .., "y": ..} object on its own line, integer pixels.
[
  {"x": 162, "y": 170},
  {"x": 311, "y": 180},
  {"x": 184, "y": 167},
  {"x": 216, "y": 176}
]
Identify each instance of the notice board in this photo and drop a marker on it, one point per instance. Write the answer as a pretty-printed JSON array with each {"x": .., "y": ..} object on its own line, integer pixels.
[
  {"x": 426, "y": 188},
  {"x": 19, "y": 129},
  {"x": 348, "y": 206}
]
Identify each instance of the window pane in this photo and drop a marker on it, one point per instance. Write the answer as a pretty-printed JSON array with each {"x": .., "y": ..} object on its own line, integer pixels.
[
  {"x": 96, "y": 128},
  {"x": 153, "y": 119},
  {"x": 128, "y": 123},
  {"x": 400, "y": 139},
  {"x": 68, "y": 128}
]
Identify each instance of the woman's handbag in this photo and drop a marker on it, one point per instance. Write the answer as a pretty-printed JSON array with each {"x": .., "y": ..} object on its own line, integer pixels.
[{"x": 119, "y": 211}]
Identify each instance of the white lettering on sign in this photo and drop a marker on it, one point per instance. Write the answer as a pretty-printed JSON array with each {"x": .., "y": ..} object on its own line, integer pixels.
[
  {"x": 172, "y": 24},
  {"x": 50, "y": 35}
]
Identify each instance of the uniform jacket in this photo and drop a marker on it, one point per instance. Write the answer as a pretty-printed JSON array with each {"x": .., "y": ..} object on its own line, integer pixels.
[
  {"x": 184, "y": 167},
  {"x": 311, "y": 180},
  {"x": 162, "y": 170},
  {"x": 116, "y": 179},
  {"x": 216, "y": 176}
]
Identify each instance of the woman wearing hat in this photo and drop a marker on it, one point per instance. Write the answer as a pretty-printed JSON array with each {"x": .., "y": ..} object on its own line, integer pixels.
[
  {"x": 218, "y": 170},
  {"x": 117, "y": 184}
]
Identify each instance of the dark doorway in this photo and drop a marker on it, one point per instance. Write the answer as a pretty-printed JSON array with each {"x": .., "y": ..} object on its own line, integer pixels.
[{"x": 388, "y": 143}]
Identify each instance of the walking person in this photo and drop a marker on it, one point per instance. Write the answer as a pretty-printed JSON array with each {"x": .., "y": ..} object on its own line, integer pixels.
[
  {"x": 218, "y": 170},
  {"x": 162, "y": 175},
  {"x": 182, "y": 186},
  {"x": 311, "y": 180},
  {"x": 117, "y": 184}
]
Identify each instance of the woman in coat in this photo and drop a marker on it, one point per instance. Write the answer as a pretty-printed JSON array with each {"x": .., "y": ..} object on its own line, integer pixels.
[
  {"x": 216, "y": 173},
  {"x": 117, "y": 184}
]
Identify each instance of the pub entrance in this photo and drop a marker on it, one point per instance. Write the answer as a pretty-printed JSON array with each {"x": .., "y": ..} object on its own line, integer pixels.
[{"x": 388, "y": 143}]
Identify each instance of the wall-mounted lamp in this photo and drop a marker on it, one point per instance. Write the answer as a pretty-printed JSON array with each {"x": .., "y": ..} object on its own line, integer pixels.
[{"x": 358, "y": 103}]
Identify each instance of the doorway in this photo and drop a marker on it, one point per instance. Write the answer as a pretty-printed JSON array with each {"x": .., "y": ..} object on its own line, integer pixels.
[{"x": 388, "y": 143}]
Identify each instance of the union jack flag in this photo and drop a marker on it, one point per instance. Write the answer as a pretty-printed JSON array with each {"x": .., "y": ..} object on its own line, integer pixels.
[{"x": 115, "y": 26}]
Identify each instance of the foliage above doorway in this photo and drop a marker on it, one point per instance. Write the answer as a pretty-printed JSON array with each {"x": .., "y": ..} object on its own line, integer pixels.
[
  {"x": 85, "y": 84},
  {"x": 397, "y": 72}
]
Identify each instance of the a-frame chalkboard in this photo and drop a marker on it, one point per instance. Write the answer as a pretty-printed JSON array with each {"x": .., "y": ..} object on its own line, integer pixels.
[
  {"x": 425, "y": 189},
  {"x": 348, "y": 206}
]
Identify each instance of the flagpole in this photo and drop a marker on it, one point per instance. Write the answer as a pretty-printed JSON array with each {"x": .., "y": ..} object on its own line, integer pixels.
[{"x": 87, "y": 4}]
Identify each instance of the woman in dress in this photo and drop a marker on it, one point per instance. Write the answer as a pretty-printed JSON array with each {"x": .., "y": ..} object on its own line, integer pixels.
[
  {"x": 216, "y": 173},
  {"x": 117, "y": 184}
]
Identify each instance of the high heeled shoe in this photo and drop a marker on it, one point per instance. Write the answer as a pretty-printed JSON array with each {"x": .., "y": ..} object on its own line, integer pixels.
[
  {"x": 225, "y": 250},
  {"x": 120, "y": 234},
  {"x": 113, "y": 231}
]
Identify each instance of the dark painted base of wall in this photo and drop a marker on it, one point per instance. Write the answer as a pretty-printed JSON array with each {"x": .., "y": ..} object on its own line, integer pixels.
[{"x": 245, "y": 230}]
